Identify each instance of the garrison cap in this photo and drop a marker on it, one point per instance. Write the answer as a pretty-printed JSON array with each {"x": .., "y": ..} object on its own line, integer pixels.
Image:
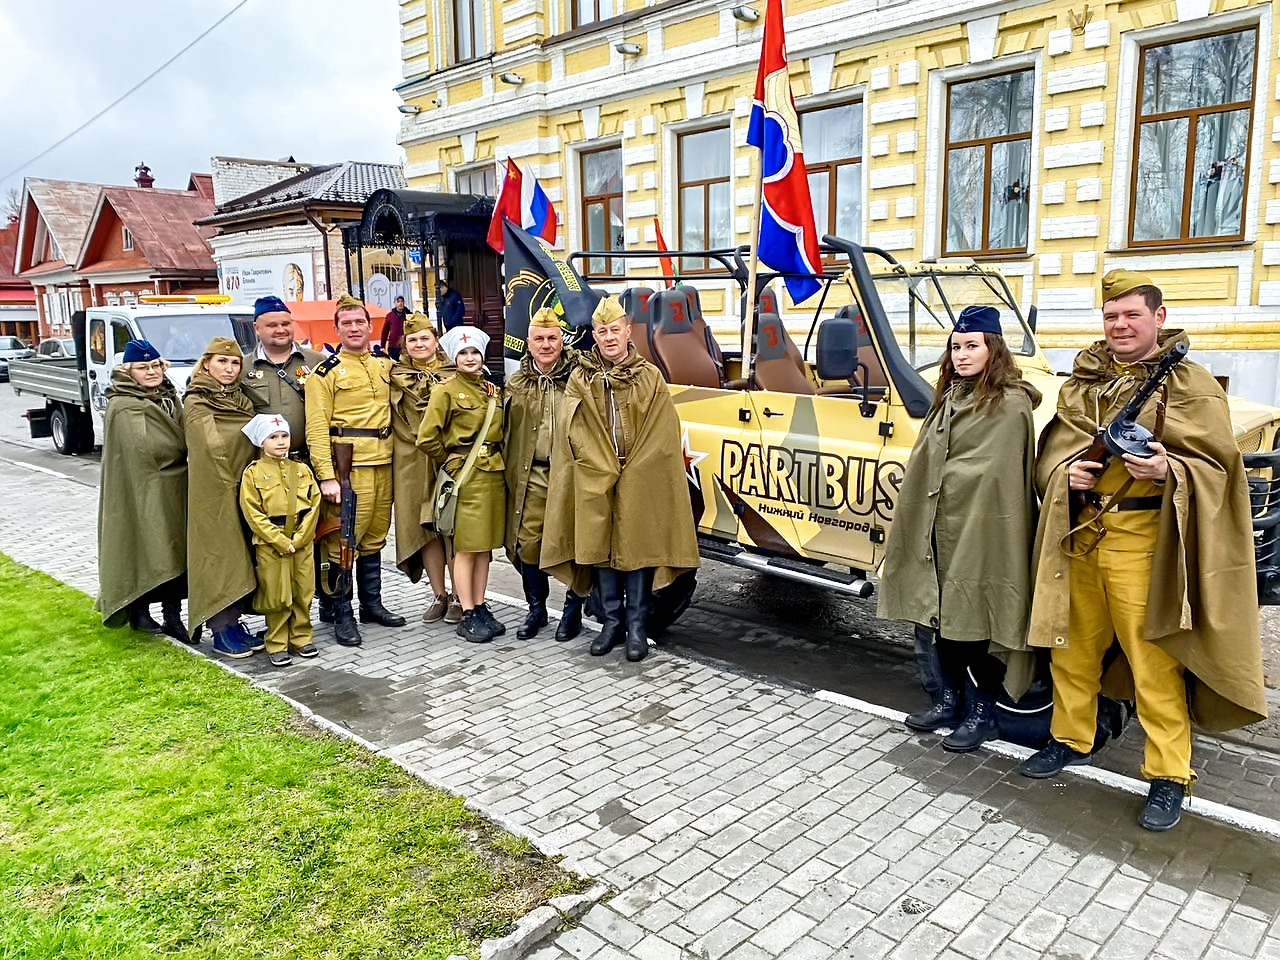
[
  {"x": 461, "y": 338},
  {"x": 222, "y": 347},
  {"x": 607, "y": 311},
  {"x": 417, "y": 323},
  {"x": 268, "y": 305},
  {"x": 348, "y": 302},
  {"x": 546, "y": 317},
  {"x": 140, "y": 351},
  {"x": 979, "y": 319},
  {"x": 1117, "y": 283}
]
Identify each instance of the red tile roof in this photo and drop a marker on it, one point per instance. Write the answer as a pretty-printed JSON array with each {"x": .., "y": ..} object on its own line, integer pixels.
[
  {"x": 66, "y": 207},
  {"x": 163, "y": 228}
]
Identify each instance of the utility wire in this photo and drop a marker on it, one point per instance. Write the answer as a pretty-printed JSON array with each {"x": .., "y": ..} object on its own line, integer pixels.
[{"x": 128, "y": 93}]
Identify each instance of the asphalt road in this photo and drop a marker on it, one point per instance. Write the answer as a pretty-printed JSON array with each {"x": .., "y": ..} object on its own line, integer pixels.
[{"x": 753, "y": 623}]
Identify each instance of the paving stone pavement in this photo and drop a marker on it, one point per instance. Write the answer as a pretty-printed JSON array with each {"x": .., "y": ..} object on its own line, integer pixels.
[{"x": 742, "y": 819}]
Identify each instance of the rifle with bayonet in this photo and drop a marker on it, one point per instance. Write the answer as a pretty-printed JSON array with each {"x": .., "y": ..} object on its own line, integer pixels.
[
  {"x": 1123, "y": 434},
  {"x": 337, "y": 578}
]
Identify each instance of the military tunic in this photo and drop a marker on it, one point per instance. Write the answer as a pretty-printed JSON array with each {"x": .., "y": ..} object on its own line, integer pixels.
[
  {"x": 415, "y": 476},
  {"x": 450, "y": 426},
  {"x": 532, "y": 400},
  {"x": 348, "y": 400},
  {"x": 280, "y": 388},
  {"x": 274, "y": 492}
]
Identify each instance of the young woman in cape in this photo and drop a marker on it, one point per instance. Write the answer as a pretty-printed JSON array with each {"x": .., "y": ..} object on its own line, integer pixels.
[
  {"x": 219, "y": 565},
  {"x": 142, "y": 507},
  {"x": 958, "y": 559},
  {"x": 419, "y": 548}
]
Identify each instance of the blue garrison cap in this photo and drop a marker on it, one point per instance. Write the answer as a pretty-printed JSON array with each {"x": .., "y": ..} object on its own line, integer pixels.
[
  {"x": 979, "y": 320},
  {"x": 140, "y": 351},
  {"x": 268, "y": 305}
]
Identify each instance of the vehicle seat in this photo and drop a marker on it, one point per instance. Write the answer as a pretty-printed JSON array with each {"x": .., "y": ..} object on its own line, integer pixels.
[
  {"x": 700, "y": 327},
  {"x": 776, "y": 356},
  {"x": 636, "y": 302},
  {"x": 679, "y": 350}
]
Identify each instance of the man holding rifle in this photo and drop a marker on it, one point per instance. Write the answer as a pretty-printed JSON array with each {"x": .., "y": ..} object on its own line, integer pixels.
[
  {"x": 1158, "y": 559},
  {"x": 348, "y": 401}
]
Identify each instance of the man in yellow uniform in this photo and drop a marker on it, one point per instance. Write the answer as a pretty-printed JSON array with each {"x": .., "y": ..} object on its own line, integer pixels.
[
  {"x": 349, "y": 401},
  {"x": 1165, "y": 568},
  {"x": 534, "y": 394}
]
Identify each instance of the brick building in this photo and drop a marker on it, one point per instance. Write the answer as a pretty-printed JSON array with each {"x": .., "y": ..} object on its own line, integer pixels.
[
  {"x": 18, "y": 314},
  {"x": 1060, "y": 143}
]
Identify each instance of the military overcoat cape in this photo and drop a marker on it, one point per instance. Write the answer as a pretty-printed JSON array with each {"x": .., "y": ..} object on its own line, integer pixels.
[
  {"x": 1202, "y": 608},
  {"x": 142, "y": 500},
  {"x": 525, "y": 394},
  {"x": 959, "y": 554},
  {"x": 415, "y": 476},
  {"x": 600, "y": 513},
  {"x": 219, "y": 563}
]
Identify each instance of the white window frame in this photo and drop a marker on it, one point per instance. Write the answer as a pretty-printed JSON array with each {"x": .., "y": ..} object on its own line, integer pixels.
[
  {"x": 839, "y": 98},
  {"x": 465, "y": 170},
  {"x": 577, "y": 232},
  {"x": 936, "y": 144},
  {"x": 126, "y": 238},
  {"x": 671, "y": 134}
]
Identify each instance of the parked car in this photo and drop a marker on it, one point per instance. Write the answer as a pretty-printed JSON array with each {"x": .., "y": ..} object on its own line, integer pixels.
[
  {"x": 11, "y": 348},
  {"x": 59, "y": 348}
]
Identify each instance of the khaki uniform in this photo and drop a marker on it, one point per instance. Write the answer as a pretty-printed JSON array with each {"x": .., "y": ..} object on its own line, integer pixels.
[
  {"x": 450, "y": 426},
  {"x": 280, "y": 389},
  {"x": 280, "y": 500},
  {"x": 532, "y": 400},
  {"x": 348, "y": 400},
  {"x": 415, "y": 477}
]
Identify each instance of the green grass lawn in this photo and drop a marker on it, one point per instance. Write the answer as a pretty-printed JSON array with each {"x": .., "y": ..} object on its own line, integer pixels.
[{"x": 151, "y": 804}]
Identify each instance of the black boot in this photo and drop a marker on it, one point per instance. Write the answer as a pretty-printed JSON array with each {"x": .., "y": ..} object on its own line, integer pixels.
[
  {"x": 537, "y": 588},
  {"x": 140, "y": 618},
  {"x": 345, "y": 631},
  {"x": 978, "y": 727},
  {"x": 570, "y": 624},
  {"x": 173, "y": 625},
  {"x": 946, "y": 712},
  {"x": 369, "y": 583},
  {"x": 638, "y": 587},
  {"x": 611, "y": 612},
  {"x": 474, "y": 628}
]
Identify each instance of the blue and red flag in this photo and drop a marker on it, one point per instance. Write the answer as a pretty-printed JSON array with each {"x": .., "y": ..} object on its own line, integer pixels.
[
  {"x": 522, "y": 201},
  {"x": 788, "y": 239}
]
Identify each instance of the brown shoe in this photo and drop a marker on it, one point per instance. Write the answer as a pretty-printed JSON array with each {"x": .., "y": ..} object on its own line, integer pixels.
[
  {"x": 436, "y": 612},
  {"x": 454, "y": 613}
]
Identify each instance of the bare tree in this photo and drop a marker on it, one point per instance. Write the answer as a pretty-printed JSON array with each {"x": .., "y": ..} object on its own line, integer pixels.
[{"x": 12, "y": 204}]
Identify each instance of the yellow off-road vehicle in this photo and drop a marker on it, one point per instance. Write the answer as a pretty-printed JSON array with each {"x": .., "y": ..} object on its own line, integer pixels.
[{"x": 796, "y": 451}]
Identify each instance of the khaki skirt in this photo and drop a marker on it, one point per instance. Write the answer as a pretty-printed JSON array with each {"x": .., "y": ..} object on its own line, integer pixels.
[{"x": 482, "y": 513}]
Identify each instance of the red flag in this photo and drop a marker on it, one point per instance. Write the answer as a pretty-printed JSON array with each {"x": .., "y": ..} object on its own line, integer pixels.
[
  {"x": 507, "y": 207},
  {"x": 668, "y": 270}
]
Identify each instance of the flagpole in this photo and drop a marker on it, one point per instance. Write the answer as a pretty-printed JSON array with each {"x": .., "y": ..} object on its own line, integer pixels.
[{"x": 749, "y": 321}]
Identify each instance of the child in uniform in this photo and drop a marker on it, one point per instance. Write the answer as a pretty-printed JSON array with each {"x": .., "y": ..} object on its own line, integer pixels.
[{"x": 280, "y": 500}]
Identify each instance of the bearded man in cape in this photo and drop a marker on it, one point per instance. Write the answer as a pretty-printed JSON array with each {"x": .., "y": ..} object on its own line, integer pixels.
[{"x": 1165, "y": 567}]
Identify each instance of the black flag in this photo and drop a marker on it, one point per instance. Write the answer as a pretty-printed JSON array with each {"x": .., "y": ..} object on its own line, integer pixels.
[{"x": 536, "y": 278}]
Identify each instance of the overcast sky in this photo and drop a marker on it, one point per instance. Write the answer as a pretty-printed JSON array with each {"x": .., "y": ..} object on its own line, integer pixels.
[{"x": 310, "y": 79}]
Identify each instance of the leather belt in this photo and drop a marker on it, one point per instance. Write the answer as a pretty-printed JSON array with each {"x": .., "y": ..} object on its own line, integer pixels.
[
  {"x": 1140, "y": 503},
  {"x": 541, "y": 463},
  {"x": 280, "y": 521},
  {"x": 368, "y": 432}
]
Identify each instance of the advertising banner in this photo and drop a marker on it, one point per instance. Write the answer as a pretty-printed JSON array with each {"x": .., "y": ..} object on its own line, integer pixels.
[{"x": 288, "y": 277}]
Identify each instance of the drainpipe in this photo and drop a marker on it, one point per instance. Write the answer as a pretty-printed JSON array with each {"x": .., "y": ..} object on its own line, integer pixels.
[{"x": 324, "y": 236}]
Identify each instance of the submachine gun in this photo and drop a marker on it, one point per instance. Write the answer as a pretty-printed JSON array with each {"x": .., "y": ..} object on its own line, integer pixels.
[
  {"x": 1124, "y": 434},
  {"x": 337, "y": 579}
]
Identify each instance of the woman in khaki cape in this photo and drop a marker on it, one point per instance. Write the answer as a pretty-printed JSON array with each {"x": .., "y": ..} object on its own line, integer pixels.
[
  {"x": 958, "y": 560},
  {"x": 450, "y": 429},
  {"x": 618, "y": 502},
  {"x": 219, "y": 565},
  {"x": 419, "y": 548},
  {"x": 142, "y": 504}
]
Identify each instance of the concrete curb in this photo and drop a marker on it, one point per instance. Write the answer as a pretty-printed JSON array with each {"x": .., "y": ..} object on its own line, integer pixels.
[{"x": 540, "y": 924}]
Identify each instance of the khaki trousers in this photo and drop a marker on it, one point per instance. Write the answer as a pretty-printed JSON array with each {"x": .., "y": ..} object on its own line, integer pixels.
[
  {"x": 289, "y": 627},
  {"x": 1109, "y": 599},
  {"x": 372, "y": 486}
]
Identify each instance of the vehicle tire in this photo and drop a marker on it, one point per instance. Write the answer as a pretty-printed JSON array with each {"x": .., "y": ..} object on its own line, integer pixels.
[{"x": 63, "y": 430}]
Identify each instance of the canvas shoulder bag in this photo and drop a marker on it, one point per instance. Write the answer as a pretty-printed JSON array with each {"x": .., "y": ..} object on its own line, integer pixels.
[{"x": 447, "y": 486}]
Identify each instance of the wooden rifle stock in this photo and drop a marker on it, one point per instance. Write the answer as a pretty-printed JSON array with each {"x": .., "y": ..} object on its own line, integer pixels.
[{"x": 339, "y": 577}]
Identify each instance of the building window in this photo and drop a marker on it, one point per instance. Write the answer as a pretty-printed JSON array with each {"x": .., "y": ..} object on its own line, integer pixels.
[
  {"x": 126, "y": 239},
  {"x": 468, "y": 30},
  {"x": 604, "y": 228},
  {"x": 591, "y": 11},
  {"x": 705, "y": 212},
  {"x": 1191, "y": 140},
  {"x": 481, "y": 181},
  {"x": 988, "y": 164},
  {"x": 832, "y": 141}
]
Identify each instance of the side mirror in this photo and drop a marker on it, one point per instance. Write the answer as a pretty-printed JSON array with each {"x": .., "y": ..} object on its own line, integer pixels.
[
  {"x": 1031, "y": 317},
  {"x": 837, "y": 349}
]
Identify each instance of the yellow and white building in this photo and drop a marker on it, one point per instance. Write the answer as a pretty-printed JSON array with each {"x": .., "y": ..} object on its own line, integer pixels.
[{"x": 1059, "y": 140}]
